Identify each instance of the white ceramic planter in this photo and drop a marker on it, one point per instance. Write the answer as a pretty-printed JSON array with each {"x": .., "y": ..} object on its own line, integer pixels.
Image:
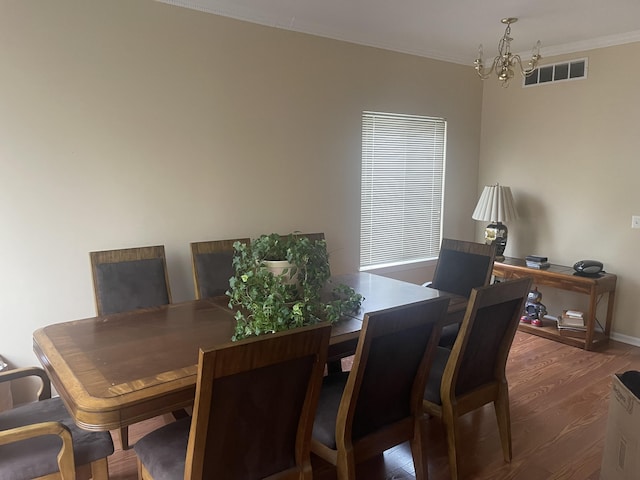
[{"x": 281, "y": 268}]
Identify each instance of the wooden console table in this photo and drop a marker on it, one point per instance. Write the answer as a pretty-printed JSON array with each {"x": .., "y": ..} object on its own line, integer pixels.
[{"x": 562, "y": 277}]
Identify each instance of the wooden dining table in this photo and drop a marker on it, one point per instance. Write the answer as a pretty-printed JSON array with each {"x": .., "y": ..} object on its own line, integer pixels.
[{"x": 116, "y": 370}]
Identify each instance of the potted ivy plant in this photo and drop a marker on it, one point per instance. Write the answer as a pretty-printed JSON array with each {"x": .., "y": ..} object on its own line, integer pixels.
[{"x": 270, "y": 300}]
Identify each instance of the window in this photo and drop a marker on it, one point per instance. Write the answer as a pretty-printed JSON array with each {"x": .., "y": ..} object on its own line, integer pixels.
[{"x": 402, "y": 188}]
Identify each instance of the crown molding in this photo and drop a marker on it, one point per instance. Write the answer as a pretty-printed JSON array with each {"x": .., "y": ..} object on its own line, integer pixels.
[
  {"x": 592, "y": 44},
  {"x": 550, "y": 51},
  {"x": 237, "y": 14}
]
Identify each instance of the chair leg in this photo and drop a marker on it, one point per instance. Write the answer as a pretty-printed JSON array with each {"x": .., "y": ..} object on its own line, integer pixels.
[
  {"x": 142, "y": 472},
  {"x": 420, "y": 464},
  {"x": 451, "y": 425},
  {"x": 501, "y": 405},
  {"x": 346, "y": 465},
  {"x": 307, "y": 471},
  {"x": 124, "y": 438},
  {"x": 100, "y": 469}
]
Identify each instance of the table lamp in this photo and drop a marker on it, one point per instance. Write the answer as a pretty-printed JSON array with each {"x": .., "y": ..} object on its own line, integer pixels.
[{"x": 496, "y": 206}]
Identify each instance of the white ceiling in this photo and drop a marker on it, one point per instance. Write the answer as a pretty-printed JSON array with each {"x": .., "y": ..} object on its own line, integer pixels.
[{"x": 445, "y": 29}]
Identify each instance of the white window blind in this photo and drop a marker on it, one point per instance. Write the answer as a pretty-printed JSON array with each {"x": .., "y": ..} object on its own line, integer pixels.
[{"x": 403, "y": 159}]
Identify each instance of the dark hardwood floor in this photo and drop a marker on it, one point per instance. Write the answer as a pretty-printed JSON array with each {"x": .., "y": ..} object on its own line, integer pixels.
[{"x": 559, "y": 405}]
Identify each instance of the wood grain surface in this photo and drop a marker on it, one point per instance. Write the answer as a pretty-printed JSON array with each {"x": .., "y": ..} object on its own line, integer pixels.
[{"x": 116, "y": 370}]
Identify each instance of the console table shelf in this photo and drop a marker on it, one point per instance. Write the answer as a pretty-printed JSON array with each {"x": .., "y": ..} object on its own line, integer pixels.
[{"x": 562, "y": 277}]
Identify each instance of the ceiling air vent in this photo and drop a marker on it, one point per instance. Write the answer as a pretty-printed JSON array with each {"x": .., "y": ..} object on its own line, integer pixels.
[{"x": 557, "y": 72}]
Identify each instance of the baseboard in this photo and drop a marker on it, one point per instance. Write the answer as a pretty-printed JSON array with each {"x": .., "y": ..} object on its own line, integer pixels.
[{"x": 618, "y": 337}]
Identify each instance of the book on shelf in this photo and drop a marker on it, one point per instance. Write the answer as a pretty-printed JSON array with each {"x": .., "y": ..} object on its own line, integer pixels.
[
  {"x": 564, "y": 325},
  {"x": 538, "y": 265},
  {"x": 571, "y": 319},
  {"x": 579, "y": 332},
  {"x": 582, "y": 334},
  {"x": 536, "y": 258}
]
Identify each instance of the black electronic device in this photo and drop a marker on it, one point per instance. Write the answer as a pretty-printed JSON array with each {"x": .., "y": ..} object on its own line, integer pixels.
[{"x": 588, "y": 268}]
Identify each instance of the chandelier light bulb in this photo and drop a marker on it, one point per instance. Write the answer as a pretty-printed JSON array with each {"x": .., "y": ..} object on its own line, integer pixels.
[{"x": 536, "y": 49}]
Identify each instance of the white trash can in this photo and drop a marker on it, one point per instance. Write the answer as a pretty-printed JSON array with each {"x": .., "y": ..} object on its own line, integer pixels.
[{"x": 621, "y": 457}]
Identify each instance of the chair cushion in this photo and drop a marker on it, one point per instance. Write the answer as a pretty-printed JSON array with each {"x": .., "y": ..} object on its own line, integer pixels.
[
  {"x": 37, "y": 456},
  {"x": 214, "y": 271},
  {"x": 126, "y": 286},
  {"x": 432, "y": 391},
  {"x": 324, "y": 425},
  {"x": 163, "y": 452}
]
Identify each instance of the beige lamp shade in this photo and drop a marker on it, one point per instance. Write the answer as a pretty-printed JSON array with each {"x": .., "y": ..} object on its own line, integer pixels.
[{"x": 495, "y": 205}]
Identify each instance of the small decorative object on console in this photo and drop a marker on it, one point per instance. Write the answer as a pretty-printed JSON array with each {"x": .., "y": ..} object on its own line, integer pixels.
[
  {"x": 588, "y": 268},
  {"x": 537, "y": 261},
  {"x": 534, "y": 310}
]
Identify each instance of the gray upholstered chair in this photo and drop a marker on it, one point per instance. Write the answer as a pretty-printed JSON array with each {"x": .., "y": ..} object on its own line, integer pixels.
[
  {"x": 40, "y": 438},
  {"x": 461, "y": 267},
  {"x": 378, "y": 404},
  {"x": 128, "y": 279},
  {"x": 253, "y": 414},
  {"x": 472, "y": 374},
  {"x": 212, "y": 266},
  {"x": 314, "y": 237}
]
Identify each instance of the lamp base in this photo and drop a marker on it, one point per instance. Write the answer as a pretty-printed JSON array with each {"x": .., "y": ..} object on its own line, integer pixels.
[{"x": 497, "y": 233}]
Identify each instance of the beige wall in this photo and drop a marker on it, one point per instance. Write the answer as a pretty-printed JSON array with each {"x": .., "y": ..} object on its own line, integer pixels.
[
  {"x": 569, "y": 151},
  {"x": 127, "y": 123}
]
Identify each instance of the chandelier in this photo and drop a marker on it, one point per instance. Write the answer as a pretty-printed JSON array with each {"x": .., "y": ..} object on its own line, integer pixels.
[{"x": 505, "y": 62}]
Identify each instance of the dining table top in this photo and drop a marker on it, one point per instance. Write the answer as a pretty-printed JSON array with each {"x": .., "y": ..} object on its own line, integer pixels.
[{"x": 119, "y": 369}]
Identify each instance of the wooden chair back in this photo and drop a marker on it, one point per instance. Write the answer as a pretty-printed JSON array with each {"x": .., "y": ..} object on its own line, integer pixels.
[
  {"x": 255, "y": 405},
  {"x": 479, "y": 355},
  {"x": 381, "y": 404},
  {"x": 389, "y": 368},
  {"x": 212, "y": 266},
  {"x": 314, "y": 237},
  {"x": 129, "y": 279},
  {"x": 472, "y": 374},
  {"x": 463, "y": 266}
]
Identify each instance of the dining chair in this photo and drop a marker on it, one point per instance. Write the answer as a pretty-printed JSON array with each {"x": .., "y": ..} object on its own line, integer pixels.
[
  {"x": 128, "y": 279},
  {"x": 212, "y": 266},
  {"x": 253, "y": 413},
  {"x": 314, "y": 237},
  {"x": 211, "y": 262},
  {"x": 39, "y": 440},
  {"x": 472, "y": 374},
  {"x": 378, "y": 404},
  {"x": 461, "y": 266}
]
